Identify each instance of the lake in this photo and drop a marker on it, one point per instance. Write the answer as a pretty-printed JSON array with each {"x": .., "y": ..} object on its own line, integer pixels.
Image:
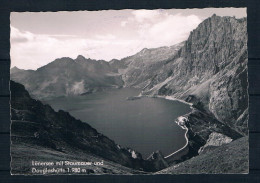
[{"x": 145, "y": 124}]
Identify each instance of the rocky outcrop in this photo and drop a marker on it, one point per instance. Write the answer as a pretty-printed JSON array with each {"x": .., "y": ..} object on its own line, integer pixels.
[
  {"x": 215, "y": 140},
  {"x": 158, "y": 161}
]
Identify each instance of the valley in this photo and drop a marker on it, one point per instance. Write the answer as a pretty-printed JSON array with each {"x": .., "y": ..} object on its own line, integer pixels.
[{"x": 208, "y": 71}]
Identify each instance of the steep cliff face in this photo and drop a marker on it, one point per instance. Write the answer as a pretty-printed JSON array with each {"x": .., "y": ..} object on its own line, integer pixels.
[{"x": 210, "y": 69}]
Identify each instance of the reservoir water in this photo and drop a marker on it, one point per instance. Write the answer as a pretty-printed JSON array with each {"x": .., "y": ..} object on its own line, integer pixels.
[{"x": 145, "y": 124}]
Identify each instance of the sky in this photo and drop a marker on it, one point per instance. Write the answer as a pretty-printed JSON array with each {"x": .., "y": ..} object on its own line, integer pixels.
[{"x": 38, "y": 38}]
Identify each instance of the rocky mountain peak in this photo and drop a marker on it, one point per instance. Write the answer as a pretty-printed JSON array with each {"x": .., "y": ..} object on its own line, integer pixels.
[
  {"x": 143, "y": 50},
  {"x": 80, "y": 57},
  {"x": 15, "y": 70}
]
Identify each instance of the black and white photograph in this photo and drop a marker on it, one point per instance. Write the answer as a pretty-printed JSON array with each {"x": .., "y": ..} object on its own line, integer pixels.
[{"x": 126, "y": 92}]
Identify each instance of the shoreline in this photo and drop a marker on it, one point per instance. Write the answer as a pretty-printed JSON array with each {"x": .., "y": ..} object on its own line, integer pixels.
[
  {"x": 187, "y": 142},
  {"x": 174, "y": 99},
  {"x": 183, "y": 127},
  {"x": 165, "y": 97}
]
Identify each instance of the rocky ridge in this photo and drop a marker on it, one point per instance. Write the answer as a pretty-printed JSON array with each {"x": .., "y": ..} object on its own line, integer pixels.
[{"x": 65, "y": 76}]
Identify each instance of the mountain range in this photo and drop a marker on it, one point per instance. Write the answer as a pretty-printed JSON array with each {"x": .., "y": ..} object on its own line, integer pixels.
[{"x": 209, "y": 70}]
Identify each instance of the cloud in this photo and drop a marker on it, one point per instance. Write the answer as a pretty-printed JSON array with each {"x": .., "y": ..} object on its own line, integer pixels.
[
  {"x": 77, "y": 88},
  {"x": 38, "y": 49},
  {"x": 157, "y": 27},
  {"x": 31, "y": 51},
  {"x": 141, "y": 29},
  {"x": 18, "y": 36},
  {"x": 174, "y": 28}
]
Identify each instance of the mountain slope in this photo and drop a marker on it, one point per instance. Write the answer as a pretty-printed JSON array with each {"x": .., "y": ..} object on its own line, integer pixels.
[
  {"x": 66, "y": 76},
  {"x": 37, "y": 126},
  {"x": 137, "y": 69},
  {"x": 229, "y": 158}
]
